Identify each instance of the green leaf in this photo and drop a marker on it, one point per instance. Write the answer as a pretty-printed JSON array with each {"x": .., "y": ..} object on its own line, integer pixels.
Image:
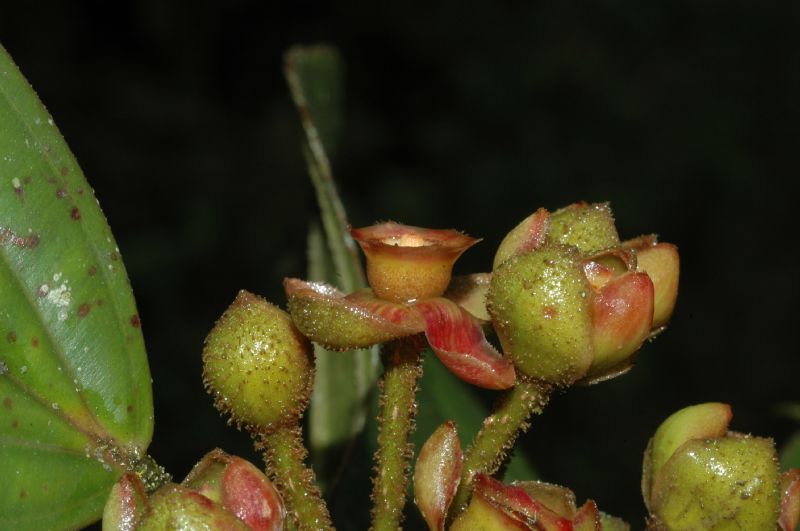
[
  {"x": 343, "y": 381},
  {"x": 74, "y": 381},
  {"x": 315, "y": 81}
]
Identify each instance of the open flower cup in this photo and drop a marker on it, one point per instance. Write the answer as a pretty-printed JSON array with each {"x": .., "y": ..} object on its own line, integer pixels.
[{"x": 409, "y": 269}]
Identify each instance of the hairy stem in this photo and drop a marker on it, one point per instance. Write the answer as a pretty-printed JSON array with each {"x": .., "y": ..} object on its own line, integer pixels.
[
  {"x": 402, "y": 368},
  {"x": 285, "y": 456},
  {"x": 492, "y": 443}
]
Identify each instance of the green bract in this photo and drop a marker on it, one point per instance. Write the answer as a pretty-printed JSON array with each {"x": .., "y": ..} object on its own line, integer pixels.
[{"x": 257, "y": 364}]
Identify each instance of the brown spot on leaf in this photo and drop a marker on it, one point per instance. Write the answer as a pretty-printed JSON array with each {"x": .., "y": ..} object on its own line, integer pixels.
[
  {"x": 11, "y": 337},
  {"x": 114, "y": 256},
  {"x": 130, "y": 408},
  {"x": 7, "y": 403},
  {"x": 61, "y": 193},
  {"x": 64, "y": 170},
  {"x": 550, "y": 312},
  {"x": 83, "y": 310},
  {"x": 135, "y": 321},
  {"x": 26, "y": 179},
  {"x": 14, "y": 423},
  {"x": 92, "y": 271},
  {"x": 75, "y": 213},
  {"x": 23, "y": 493},
  {"x": 99, "y": 302},
  {"x": 35, "y": 342},
  {"x": 80, "y": 191},
  {"x": 9, "y": 237},
  {"x": 20, "y": 191}
]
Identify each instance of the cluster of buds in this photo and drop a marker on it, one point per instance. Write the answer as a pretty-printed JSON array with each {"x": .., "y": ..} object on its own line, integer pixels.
[
  {"x": 699, "y": 475},
  {"x": 527, "y": 505},
  {"x": 571, "y": 302},
  {"x": 221, "y": 492}
]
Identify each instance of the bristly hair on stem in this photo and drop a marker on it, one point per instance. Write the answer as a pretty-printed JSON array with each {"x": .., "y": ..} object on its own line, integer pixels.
[
  {"x": 495, "y": 439},
  {"x": 398, "y": 406},
  {"x": 285, "y": 456}
]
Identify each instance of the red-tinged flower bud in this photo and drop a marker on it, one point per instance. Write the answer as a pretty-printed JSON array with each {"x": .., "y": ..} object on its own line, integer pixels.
[
  {"x": 177, "y": 507},
  {"x": 437, "y": 475},
  {"x": 529, "y": 505},
  {"x": 696, "y": 478},
  {"x": 407, "y": 263},
  {"x": 258, "y": 365},
  {"x": 562, "y": 317},
  {"x": 661, "y": 262},
  {"x": 590, "y": 228},
  {"x": 241, "y": 489},
  {"x": 126, "y": 504}
]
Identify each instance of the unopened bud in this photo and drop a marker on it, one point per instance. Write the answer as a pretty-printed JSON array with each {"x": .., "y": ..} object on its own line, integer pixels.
[{"x": 258, "y": 365}]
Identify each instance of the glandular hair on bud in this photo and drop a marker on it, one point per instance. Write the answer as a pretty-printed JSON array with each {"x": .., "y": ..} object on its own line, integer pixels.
[{"x": 257, "y": 365}]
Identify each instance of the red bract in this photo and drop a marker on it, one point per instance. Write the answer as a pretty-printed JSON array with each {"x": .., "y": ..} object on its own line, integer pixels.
[{"x": 437, "y": 475}]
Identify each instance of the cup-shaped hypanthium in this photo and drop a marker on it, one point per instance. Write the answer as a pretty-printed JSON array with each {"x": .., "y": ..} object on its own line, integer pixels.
[{"x": 405, "y": 263}]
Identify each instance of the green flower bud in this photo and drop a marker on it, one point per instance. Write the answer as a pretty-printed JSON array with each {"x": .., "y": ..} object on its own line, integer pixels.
[
  {"x": 540, "y": 307},
  {"x": 700, "y": 476},
  {"x": 257, "y": 364}
]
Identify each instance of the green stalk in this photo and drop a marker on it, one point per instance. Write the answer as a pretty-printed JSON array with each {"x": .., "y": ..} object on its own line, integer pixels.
[
  {"x": 285, "y": 456},
  {"x": 402, "y": 363},
  {"x": 492, "y": 443}
]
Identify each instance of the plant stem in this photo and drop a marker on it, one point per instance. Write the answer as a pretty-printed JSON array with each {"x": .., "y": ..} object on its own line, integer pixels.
[
  {"x": 285, "y": 456},
  {"x": 492, "y": 443},
  {"x": 402, "y": 362}
]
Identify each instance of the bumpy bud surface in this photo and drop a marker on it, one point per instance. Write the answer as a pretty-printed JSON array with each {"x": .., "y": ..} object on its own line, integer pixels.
[
  {"x": 540, "y": 307},
  {"x": 590, "y": 228},
  {"x": 257, "y": 364}
]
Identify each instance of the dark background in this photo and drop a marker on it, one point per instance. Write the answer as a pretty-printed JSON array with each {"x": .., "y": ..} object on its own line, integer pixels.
[{"x": 684, "y": 115}]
